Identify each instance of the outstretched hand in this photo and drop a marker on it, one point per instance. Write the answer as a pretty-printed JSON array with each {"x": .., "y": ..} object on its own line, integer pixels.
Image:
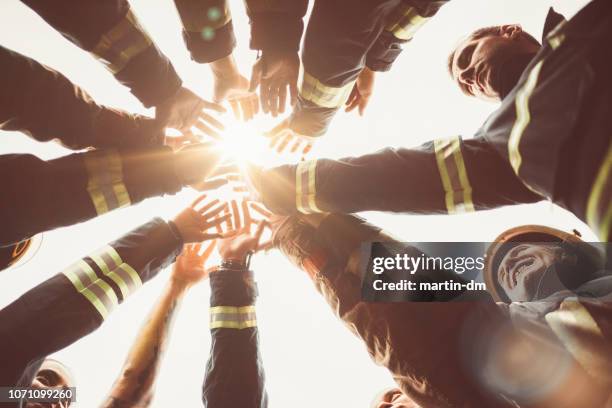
[
  {"x": 362, "y": 91},
  {"x": 283, "y": 138},
  {"x": 274, "y": 74},
  {"x": 231, "y": 86},
  {"x": 201, "y": 223},
  {"x": 190, "y": 266},
  {"x": 244, "y": 240}
]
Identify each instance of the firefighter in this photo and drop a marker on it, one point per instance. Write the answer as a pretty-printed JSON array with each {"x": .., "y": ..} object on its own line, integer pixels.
[
  {"x": 111, "y": 32},
  {"x": 550, "y": 139},
  {"x": 75, "y": 302},
  {"x": 344, "y": 46},
  {"x": 234, "y": 372},
  {"x": 452, "y": 349}
]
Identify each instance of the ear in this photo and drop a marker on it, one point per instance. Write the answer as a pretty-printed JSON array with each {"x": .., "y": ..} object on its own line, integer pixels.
[{"x": 510, "y": 30}]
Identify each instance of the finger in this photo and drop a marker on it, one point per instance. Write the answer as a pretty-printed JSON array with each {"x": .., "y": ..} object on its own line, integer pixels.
[
  {"x": 259, "y": 232},
  {"x": 276, "y": 130},
  {"x": 236, "y": 213},
  {"x": 225, "y": 170},
  {"x": 264, "y": 96},
  {"x": 207, "y": 206},
  {"x": 214, "y": 106},
  {"x": 255, "y": 104},
  {"x": 274, "y": 100},
  {"x": 208, "y": 251},
  {"x": 307, "y": 149},
  {"x": 282, "y": 97},
  {"x": 229, "y": 226},
  {"x": 202, "y": 127},
  {"x": 246, "y": 215},
  {"x": 205, "y": 236},
  {"x": 353, "y": 102},
  {"x": 219, "y": 228},
  {"x": 296, "y": 145},
  {"x": 264, "y": 246},
  {"x": 217, "y": 221},
  {"x": 195, "y": 248},
  {"x": 212, "y": 213},
  {"x": 363, "y": 105},
  {"x": 293, "y": 91},
  {"x": 211, "y": 184},
  {"x": 261, "y": 210},
  {"x": 245, "y": 106},
  {"x": 235, "y": 108},
  {"x": 198, "y": 201},
  {"x": 240, "y": 189},
  {"x": 275, "y": 140},
  {"x": 205, "y": 117},
  {"x": 256, "y": 74},
  {"x": 283, "y": 144}
]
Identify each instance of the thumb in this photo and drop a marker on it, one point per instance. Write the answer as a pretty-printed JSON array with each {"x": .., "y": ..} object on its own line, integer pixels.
[{"x": 256, "y": 74}]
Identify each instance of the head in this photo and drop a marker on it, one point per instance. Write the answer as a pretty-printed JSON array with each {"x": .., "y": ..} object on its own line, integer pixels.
[
  {"x": 532, "y": 262},
  {"x": 489, "y": 62},
  {"x": 52, "y": 374},
  {"x": 393, "y": 398}
]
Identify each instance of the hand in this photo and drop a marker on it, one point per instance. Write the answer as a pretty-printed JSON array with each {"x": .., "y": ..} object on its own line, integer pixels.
[
  {"x": 185, "y": 109},
  {"x": 243, "y": 241},
  {"x": 233, "y": 87},
  {"x": 190, "y": 266},
  {"x": 274, "y": 73},
  {"x": 178, "y": 142},
  {"x": 283, "y": 137},
  {"x": 362, "y": 91},
  {"x": 194, "y": 224},
  {"x": 196, "y": 165}
]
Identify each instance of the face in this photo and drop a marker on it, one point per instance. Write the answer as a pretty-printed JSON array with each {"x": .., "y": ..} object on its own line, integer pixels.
[
  {"x": 50, "y": 375},
  {"x": 521, "y": 270},
  {"x": 393, "y": 398},
  {"x": 491, "y": 65}
]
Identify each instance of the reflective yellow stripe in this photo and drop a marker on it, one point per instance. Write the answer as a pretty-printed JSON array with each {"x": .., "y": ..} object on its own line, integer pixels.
[
  {"x": 523, "y": 117},
  {"x": 306, "y": 187},
  {"x": 95, "y": 290},
  {"x": 313, "y": 90},
  {"x": 111, "y": 265},
  {"x": 556, "y": 37},
  {"x": 599, "y": 205},
  {"x": 122, "y": 43},
  {"x": 580, "y": 333},
  {"x": 406, "y": 23},
  {"x": 231, "y": 317},
  {"x": 454, "y": 177},
  {"x": 105, "y": 185}
]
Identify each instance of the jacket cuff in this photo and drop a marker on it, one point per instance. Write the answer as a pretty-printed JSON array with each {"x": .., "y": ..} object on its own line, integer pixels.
[
  {"x": 275, "y": 32},
  {"x": 118, "y": 129},
  {"x": 232, "y": 288},
  {"x": 309, "y": 119},
  {"x": 209, "y": 46}
]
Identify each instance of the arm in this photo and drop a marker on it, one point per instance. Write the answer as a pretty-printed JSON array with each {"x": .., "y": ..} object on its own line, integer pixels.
[
  {"x": 234, "y": 372},
  {"x": 445, "y": 176},
  {"x": 135, "y": 385},
  {"x": 401, "y": 26},
  {"x": 112, "y": 33},
  {"x": 81, "y": 186},
  {"x": 37, "y": 100}
]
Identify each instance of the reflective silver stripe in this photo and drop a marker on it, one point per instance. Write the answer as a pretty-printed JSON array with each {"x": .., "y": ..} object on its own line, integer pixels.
[
  {"x": 599, "y": 204},
  {"x": 122, "y": 43},
  {"x": 105, "y": 185},
  {"x": 453, "y": 174},
  {"x": 111, "y": 265},
  {"x": 523, "y": 117},
  {"x": 94, "y": 289},
  {"x": 231, "y": 317},
  {"x": 313, "y": 90},
  {"x": 406, "y": 23},
  {"x": 306, "y": 187}
]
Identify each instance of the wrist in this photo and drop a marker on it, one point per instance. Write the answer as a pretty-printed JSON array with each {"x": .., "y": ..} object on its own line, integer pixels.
[
  {"x": 225, "y": 67},
  {"x": 178, "y": 286},
  {"x": 235, "y": 263}
]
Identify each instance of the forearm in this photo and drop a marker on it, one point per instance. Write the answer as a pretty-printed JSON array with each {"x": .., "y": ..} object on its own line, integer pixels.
[
  {"x": 134, "y": 386},
  {"x": 276, "y": 26}
]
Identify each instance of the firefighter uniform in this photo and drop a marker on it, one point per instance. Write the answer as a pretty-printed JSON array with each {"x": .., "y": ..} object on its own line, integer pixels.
[
  {"x": 75, "y": 302},
  {"x": 550, "y": 139},
  {"x": 234, "y": 371},
  {"x": 443, "y": 354},
  {"x": 110, "y": 31}
]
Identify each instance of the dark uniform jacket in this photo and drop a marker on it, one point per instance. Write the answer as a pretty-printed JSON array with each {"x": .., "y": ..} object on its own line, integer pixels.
[
  {"x": 234, "y": 371},
  {"x": 468, "y": 352},
  {"x": 75, "y": 302},
  {"x": 550, "y": 139}
]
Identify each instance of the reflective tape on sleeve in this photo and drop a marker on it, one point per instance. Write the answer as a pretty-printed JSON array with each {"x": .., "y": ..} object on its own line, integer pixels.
[
  {"x": 93, "y": 288},
  {"x": 406, "y": 22},
  {"x": 313, "y": 90},
  {"x": 454, "y": 177},
  {"x": 599, "y": 203},
  {"x": 122, "y": 43},
  {"x": 306, "y": 187},
  {"x": 111, "y": 265},
  {"x": 231, "y": 317},
  {"x": 105, "y": 183}
]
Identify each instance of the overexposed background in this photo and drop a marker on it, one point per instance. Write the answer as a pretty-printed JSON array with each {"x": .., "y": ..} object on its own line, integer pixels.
[{"x": 311, "y": 360}]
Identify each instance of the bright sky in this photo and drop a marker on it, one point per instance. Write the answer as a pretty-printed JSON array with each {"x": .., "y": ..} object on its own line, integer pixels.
[{"x": 311, "y": 360}]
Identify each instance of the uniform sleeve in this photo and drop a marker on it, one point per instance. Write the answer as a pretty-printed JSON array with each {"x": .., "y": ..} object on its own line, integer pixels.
[
  {"x": 75, "y": 302},
  {"x": 401, "y": 26},
  {"x": 207, "y": 28},
  {"x": 276, "y": 25},
  {"x": 234, "y": 371},
  {"x": 111, "y": 32},
  {"x": 71, "y": 189},
  {"x": 420, "y": 343},
  {"x": 445, "y": 176},
  {"x": 45, "y": 105}
]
